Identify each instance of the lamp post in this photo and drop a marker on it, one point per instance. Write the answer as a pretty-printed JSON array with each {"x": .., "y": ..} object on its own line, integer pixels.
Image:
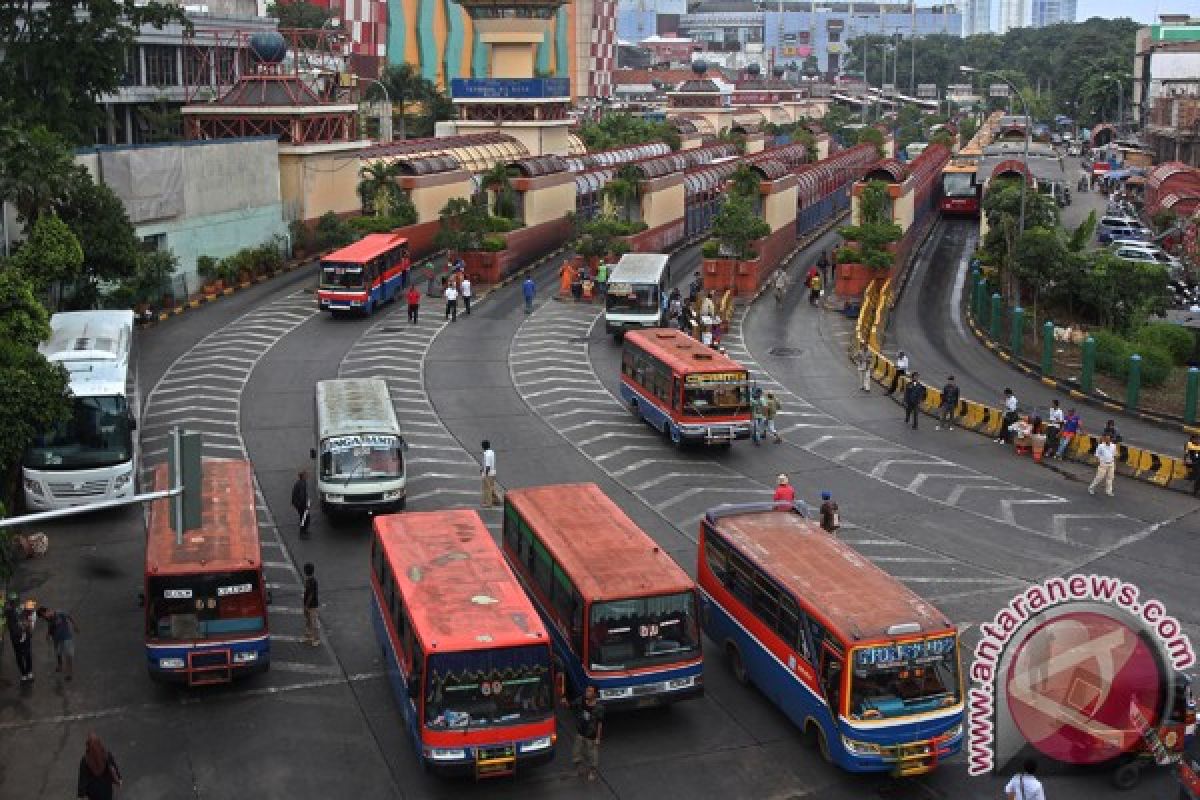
[
  {"x": 1120, "y": 103},
  {"x": 385, "y": 119},
  {"x": 1028, "y": 125},
  {"x": 866, "y": 85}
]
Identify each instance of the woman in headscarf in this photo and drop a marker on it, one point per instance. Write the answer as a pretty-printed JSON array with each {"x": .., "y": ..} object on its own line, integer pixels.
[{"x": 98, "y": 772}]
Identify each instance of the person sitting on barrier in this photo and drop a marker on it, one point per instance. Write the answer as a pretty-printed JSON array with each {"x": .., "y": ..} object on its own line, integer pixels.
[
  {"x": 1070, "y": 430},
  {"x": 1010, "y": 416},
  {"x": 1054, "y": 423},
  {"x": 1191, "y": 459},
  {"x": 1022, "y": 431},
  {"x": 1110, "y": 429}
]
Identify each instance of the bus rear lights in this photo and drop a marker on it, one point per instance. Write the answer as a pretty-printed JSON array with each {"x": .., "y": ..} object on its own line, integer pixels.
[
  {"x": 170, "y": 663},
  {"x": 533, "y": 745},
  {"x": 860, "y": 748},
  {"x": 245, "y": 657},
  {"x": 445, "y": 753}
]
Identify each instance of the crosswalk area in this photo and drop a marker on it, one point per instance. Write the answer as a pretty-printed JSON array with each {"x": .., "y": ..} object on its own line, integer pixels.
[{"x": 202, "y": 391}]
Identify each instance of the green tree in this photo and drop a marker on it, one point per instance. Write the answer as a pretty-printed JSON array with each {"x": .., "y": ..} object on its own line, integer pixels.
[
  {"x": 873, "y": 136},
  {"x": 875, "y": 230},
  {"x": 59, "y": 57},
  {"x": 153, "y": 275},
  {"x": 98, "y": 219},
  {"x": 409, "y": 90},
  {"x": 1039, "y": 256},
  {"x": 744, "y": 181},
  {"x": 625, "y": 130},
  {"x": 504, "y": 199},
  {"x": 33, "y": 398},
  {"x": 736, "y": 227},
  {"x": 164, "y": 122},
  {"x": 36, "y": 168},
  {"x": 300, "y": 15},
  {"x": 624, "y": 190},
  {"x": 461, "y": 225},
  {"x": 51, "y": 255},
  {"x": 967, "y": 127},
  {"x": 24, "y": 321},
  {"x": 377, "y": 187}
]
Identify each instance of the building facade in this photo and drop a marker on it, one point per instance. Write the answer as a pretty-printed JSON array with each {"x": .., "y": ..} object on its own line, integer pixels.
[
  {"x": 1166, "y": 87},
  {"x": 1052, "y": 12},
  {"x": 1013, "y": 14},
  {"x": 976, "y": 17}
]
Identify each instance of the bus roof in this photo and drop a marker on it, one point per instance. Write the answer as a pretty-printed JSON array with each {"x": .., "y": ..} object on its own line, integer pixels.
[
  {"x": 861, "y": 601},
  {"x": 355, "y": 405},
  {"x": 94, "y": 347},
  {"x": 457, "y": 587},
  {"x": 607, "y": 556},
  {"x": 639, "y": 268},
  {"x": 681, "y": 352},
  {"x": 366, "y": 248},
  {"x": 228, "y": 537}
]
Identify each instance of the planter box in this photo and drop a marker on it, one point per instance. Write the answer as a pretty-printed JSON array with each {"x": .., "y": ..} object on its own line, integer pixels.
[
  {"x": 851, "y": 280},
  {"x": 720, "y": 274}
]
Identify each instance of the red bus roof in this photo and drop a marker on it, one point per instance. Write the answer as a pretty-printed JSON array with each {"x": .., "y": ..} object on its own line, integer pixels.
[
  {"x": 457, "y": 587},
  {"x": 857, "y": 598},
  {"x": 366, "y": 248},
  {"x": 605, "y": 554},
  {"x": 681, "y": 352},
  {"x": 228, "y": 537}
]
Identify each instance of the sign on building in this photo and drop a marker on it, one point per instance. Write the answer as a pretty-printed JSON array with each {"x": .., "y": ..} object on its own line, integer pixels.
[
  {"x": 927, "y": 90},
  {"x": 998, "y": 90}
]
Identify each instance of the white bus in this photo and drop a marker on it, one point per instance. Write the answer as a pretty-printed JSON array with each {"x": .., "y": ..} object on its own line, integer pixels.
[
  {"x": 92, "y": 457},
  {"x": 634, "y": 296},
  {"x": 360, "y": 448}
]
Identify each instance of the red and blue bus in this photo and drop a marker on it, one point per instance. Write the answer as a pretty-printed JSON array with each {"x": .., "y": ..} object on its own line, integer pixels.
[
  {"x": 205, "y": 599},
  {"x": 690, "y": 392},
  {"x": 865, "y": 668},
  {"x": 466, "y": 654},
  {"x": 363, "y": 276},
  {"x": 621, "y": 612}
]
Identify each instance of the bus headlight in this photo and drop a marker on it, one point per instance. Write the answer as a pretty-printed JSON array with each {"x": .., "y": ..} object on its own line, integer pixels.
[
  {"x": 953, "y": 733},
  {"x": 535, "y": 744},
  {"x": 446, "y": 753},
  {"x": 614, "y": 694},
  {"x": 682, "y": 683},
  {"x": 334, "y": 498},
  {"x": 395, "y": 494},
  {"x": 245, "y": 656},
  {"x": 170, "y": 663},
  {"x": 34, "y": 487},
  {"x": 860, "y": 748}
]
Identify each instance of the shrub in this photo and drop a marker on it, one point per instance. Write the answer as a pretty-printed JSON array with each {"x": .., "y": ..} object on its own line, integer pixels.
[
  {"x": 372, "y": 224},
  {"x": 332, "y": 232},
  {"x": 1112, "y": 354},
  {"x": 1175, "y": 339},
  {"x": 1156, "y": 364},
  {"x": 303, "y": 237},
  {"x": 499, "y": 225},
  {"x": 207, "y": 268},
  {"x": 711, "y": 249},
  {"x": 493, "y": 244}
]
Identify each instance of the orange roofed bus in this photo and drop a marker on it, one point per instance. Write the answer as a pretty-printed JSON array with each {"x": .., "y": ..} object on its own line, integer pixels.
[
  {"x": 466, "y": 654},
  {"x": 205, "y": 599},
  {"x": 867, "y": 669},
  {"x": 622, "y": 613},
  {"x": 362, "y": 276},
  {"x": 690, "y": 392}
]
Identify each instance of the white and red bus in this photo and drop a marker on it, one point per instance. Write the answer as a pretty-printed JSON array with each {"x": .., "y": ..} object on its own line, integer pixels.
[{"x": 363, "y": 276}]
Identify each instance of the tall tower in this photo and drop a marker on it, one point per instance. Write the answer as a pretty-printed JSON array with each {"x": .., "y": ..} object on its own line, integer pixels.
[
  {"x": 976, "y": 17},
  {"x": 531, "y": 109},
  {"x": 1012, "y": 15}
]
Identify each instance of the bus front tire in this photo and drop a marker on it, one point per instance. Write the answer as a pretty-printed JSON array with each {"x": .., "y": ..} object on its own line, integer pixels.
[
  {"x": 1126, "y": 776},
  {"x": 823, "y": 745},
  {"x": 735, "y": 664},
  {"x": 633, "y": 409}
]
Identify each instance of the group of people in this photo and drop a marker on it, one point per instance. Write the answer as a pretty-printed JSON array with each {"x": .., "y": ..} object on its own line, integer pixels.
[
  {"x": 21, "y": 620},
  {"x": 697, "y": 316},
  {"x": 785, "y": 497}
]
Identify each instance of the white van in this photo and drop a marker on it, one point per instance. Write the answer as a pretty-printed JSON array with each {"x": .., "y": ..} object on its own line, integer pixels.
[
  {"x": 360, "y": 448},
  {"x": 634, "y": 296}
]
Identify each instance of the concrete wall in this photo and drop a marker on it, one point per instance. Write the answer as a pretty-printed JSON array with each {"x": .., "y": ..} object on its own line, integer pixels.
[
  {"x": 319, "y": 178},
  {"x": 662, "y": 200},
  {"x": 779, "y": 207},
  {"x": 429, "y": 193},
  {"x": 547, "y": 197}
]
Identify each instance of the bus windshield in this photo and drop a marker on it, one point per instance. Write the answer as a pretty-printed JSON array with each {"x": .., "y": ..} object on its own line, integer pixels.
[
  {"x": 641, "y": 631},
  {"x": 99, "y": 433},
  {"x": 896, "y": 680},
  {"x": 486, "y": 688},
  {"x": 717, "y": 398},
  {"x": 629, "y": 298},
  {"x": 191, "y": 607},
  {"x": 958, "y": 184},
  {"x": 341, "y": 276},
  {"x": 361, "y": 458}
]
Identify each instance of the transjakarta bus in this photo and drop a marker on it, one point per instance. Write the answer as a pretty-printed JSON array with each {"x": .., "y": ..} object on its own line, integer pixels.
[
  {"x": 621, "y": 612},
  {"x": 92, "y": 456},
  {"x": 960, "y": 188},
  {"x": 364, "y": 275},
  {"x": 634, "y": 295},
  {"x": 465, "y": 652},
  {"x": 867, "y": 669},
  {"x": 205, "y": 599},
  {"x": 360, "y": 449},
  {"x": 690, "y": 392}
]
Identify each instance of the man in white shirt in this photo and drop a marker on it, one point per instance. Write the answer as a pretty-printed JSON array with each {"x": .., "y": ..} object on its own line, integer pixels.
[
  {"x": 451, "y": 295},
  {"x": 1054, "y": 426},
  {"x": 488, "y": 472},
  {"x": 465, "y": 291},
  {"x": 1023, "y": 785},
  {"x": 901, "y": 371},
  {"x": 1106, "y": 464},
  {"x": 1010, "y": 416}
]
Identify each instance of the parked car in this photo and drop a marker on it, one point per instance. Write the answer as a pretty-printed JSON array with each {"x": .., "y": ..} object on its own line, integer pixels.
[
  {"x": 1106, "y": 235},
  {"x": 1126, "y": 248}
]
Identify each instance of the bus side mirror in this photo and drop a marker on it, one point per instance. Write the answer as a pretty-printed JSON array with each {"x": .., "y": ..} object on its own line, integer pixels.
[
  {"x": 132, "y": 422},
  {"x": 270, "y": 597},
  {"x": 141, "y": 597},
  {"x": 414, "y": 687},
  {"x": 312, "y": 452}
]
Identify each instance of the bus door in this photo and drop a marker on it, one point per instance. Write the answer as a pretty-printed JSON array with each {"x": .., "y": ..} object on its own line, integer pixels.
[{"x": 832, "y": 675}]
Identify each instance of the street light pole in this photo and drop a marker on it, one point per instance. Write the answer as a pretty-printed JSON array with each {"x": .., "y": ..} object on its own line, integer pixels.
[
  {"x": 1028, "y": 131},
  {"x": 385, "y": 119},
  {"x": 1120, "y": 103}
]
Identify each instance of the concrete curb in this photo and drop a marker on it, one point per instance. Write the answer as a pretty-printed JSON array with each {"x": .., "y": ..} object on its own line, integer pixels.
[{"x": 205, "y": 299}]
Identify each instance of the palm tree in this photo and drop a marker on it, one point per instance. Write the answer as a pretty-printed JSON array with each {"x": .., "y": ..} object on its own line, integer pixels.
[
  {"x": 497, "y": 181},
  {"x": 405, "y": 85},
  {"x": 377, "y": 187},
  {"x": 744, "y": 181},
  {"x": 624, "y": 189}
]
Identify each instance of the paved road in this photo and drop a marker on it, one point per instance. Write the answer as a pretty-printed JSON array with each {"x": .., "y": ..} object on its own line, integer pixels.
[{"x": 542, "y": 388}]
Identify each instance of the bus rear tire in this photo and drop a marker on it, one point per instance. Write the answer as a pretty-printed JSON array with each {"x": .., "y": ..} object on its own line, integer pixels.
[
  {"x": 1126, "y": 776},
  {"x": 735, "y": 664}
]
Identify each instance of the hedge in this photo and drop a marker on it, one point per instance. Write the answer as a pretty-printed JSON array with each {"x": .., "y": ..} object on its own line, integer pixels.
[
  {"x": 1175, "y": 339},
  {"x": 1112, "y": 354}
]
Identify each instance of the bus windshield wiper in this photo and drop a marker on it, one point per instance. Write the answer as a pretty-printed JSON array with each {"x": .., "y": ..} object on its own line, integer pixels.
[{"x": 358, "y": 465}]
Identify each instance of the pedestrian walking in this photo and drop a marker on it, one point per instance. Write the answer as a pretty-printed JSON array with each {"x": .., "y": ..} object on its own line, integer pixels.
[
  {"x": 708, "y": 306},
  {"x": 758, "y": 415},
  {"x": 60, "y": 632},
  {"x": 780, "y": 286},
  {"x": 901, "y": 371},
  {"x": 808, "y": 276},
  {"x": 831, "y": 519},
  {"x": 948, "y": 405},
  {"x": 814, "y": 290},
  {"x": 1106, "y": 465},
  {"x": 12, "y": 624},
  {"x": 1010, "y": 416},
  {"x": 602, "y": 279},
  {"x": 862, "y": 362},
  {"x": 465, "y": 290},
  {"x": 1024, "y": 786},
  {"x": 1191, "y": 459},
  {"x": 1054, "y": 426},
  {"x": 589, "y": 729},
  {"x": 98, "y": 771},
  {"x": 451, "y": 295},
  {"x": 488, "y": 473},
  {"x": 773, "y": 407},
  {"x": 528, "y": 290},
  {"x": 23, "y": 646},
  {"x": 1070, "y": 430},
  {"x": 823, "y": 266},
  {"x": 784, "y": 491},
  {"x": 312, "y": 602},
  {"x": 914, "y": 396},
  {"x": 414, "y": 304},
  {"x": 300, "y": 500}
]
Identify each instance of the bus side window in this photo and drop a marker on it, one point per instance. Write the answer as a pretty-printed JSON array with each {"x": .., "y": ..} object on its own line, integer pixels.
[
  {"x": 511, "y": 529},
  {"x": 816, "y": 634},
  {"x": 741, "y": 578},
  {"x": 676, "y": 393},
  {"x": 717, "y": 556},
  {"x": 831, "y": 680},
  {"x": 418, "y": 667},
  {"x": 543, "y": 570},
  {"x": 525, "y": 549},
  {"x": 789, "y": 626},
  {"x": 766, "y": 602}
]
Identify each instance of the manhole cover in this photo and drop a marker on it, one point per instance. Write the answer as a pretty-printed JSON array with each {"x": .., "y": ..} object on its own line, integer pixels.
[{"x": 787, "y": 352}]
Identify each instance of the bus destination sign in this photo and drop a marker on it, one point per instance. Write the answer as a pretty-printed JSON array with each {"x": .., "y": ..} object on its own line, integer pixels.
[
  {"x": 716, "y": 377},
  {"x": 362, "y": 440},
  {"x": 904, "y": 653}
]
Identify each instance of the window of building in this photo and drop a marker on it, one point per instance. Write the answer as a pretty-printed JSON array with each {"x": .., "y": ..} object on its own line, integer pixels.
[
  {"x": 154, "y": 242},
  {"x": 160, "y": 65}
]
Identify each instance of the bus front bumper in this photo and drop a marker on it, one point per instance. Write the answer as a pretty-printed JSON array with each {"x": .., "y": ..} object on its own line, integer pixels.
[
  {"x": 904, "y": 760},
  {"x": 715, "y": 434},
  {"x": 503, "y": 759},
  {"x": 362, "y": 503},
  {"x": 652, "y": 695}
]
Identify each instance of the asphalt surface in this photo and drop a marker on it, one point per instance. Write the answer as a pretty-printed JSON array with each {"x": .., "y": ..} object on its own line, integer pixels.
[{"x": 322, "y": 722}]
